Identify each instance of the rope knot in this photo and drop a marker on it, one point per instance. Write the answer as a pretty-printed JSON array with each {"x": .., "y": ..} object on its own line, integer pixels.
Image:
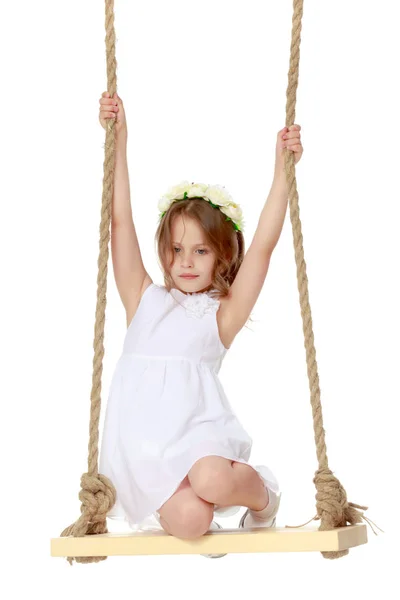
[
  {"x": 98, "y": 496},
  {"x": 332, "y": 504}
]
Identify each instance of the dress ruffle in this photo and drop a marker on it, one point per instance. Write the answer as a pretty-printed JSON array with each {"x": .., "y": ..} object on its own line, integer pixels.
[{"x": 196, "y": 304}]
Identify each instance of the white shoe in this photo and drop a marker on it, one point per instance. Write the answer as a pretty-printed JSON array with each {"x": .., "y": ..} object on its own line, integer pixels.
[
  {"x": 267, "y": 516},
  {"x": 214, "y": 525},
  {"x": 269, "y": 521},
  {"x": 259, "y": 523}
]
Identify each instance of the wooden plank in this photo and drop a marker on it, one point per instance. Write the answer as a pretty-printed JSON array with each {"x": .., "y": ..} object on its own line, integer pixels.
[{"x": 232, "y": 541}]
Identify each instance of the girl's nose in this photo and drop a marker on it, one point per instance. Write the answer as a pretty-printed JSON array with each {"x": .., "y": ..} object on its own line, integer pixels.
[{"x": 187, "y": 263}]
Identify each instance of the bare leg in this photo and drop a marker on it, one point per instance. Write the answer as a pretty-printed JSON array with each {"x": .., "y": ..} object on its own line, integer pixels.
[
  {"x": 238, "y": 484},
  {"x": 184, "y": 514},
  {"x": 249, "y": 489},
  {"x": 165, "y": 525}
]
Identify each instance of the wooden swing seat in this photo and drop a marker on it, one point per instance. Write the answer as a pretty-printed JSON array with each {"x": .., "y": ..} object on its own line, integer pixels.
[{"x": 230, "y": 541}]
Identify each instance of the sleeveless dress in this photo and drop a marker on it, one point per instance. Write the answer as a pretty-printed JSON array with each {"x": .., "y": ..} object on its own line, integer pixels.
[{"x": 166, "y": 407}]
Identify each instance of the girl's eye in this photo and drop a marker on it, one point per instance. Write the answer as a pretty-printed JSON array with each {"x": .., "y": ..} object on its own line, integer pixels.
[{"x": 199, "y": 249}]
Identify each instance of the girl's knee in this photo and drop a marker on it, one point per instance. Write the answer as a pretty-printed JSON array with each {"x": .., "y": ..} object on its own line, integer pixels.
[
  {"x": 191, "y": 520},
  {"x": 215, "y": 485}
]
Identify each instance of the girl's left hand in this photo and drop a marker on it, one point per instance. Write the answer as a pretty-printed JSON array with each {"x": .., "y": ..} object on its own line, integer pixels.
[{"x": 289, "y": 141}]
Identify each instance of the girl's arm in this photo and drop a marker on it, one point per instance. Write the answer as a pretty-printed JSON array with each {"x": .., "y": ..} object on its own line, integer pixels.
[
  {"x": 129, "y": 272},
  {"x": 121, "y": 202},
  {"x": 251, "y": 275},
  {"x": 272, "y": 216}
]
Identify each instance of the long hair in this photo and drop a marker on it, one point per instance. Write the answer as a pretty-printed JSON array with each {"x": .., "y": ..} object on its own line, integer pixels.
[{"x": 226, "y": 242}]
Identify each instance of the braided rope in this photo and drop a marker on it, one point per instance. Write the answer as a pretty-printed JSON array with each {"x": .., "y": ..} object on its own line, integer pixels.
[
  {"x": 98, "y": 494},
  {"x": 332, "y": 506}
]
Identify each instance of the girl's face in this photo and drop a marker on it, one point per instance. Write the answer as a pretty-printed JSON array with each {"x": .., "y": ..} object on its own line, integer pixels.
[{"x": 192, "y": 255}]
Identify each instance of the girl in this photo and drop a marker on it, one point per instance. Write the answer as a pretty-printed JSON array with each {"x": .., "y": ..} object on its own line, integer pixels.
[{"x": 172, "y": 445}]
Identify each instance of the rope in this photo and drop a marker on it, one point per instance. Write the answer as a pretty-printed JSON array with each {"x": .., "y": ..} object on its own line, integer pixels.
[
  {"x": 316, "y": 518},
  {"x": 333, "y": 509},
  {"x": 98, "y": 494}
]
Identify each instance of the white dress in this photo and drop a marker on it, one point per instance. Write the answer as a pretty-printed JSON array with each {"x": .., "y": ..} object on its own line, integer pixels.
[{"x": 166, "y": 407}]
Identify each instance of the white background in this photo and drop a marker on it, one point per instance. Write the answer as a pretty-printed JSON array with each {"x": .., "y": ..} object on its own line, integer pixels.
[{"x": 204, "y": 87}]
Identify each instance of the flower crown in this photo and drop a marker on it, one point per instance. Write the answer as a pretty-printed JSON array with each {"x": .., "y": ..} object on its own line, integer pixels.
[{"x": 216, "y": 195}]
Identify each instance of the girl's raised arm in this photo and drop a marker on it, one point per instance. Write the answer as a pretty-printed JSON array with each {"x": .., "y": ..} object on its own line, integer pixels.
[
  {"x": 251, "y": 275},
  {"x": 131, "y": 277}
]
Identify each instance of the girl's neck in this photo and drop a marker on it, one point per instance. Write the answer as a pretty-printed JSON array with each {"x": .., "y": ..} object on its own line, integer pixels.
[{"x": 206, "y": 289}]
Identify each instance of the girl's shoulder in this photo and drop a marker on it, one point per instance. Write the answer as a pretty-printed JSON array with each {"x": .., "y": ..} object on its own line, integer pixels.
[{"x": 148, "y": 289}]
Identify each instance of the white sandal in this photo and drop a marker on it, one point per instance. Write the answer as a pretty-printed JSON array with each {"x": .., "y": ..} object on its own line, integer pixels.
[
  {"x": 270, "y": 519},
  {"x": 268, "y": 522}
]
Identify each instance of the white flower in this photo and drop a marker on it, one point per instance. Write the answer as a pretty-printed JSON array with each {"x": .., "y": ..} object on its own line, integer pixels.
[
  {"x": 234, "y": 212},
  {"x": 197, "y": 189},
  {"x": 177, "y": 191},
  {"x": 218, "y": 195},
  {"x": 200, "y": 303},
  {"x": 164, "y": 204}
]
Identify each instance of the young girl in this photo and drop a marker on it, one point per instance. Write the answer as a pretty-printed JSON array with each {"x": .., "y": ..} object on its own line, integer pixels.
[{"x": 172, "y": 445}]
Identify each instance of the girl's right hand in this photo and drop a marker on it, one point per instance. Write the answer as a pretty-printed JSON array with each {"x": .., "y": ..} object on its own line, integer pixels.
[{"x": 112, "y": 108}]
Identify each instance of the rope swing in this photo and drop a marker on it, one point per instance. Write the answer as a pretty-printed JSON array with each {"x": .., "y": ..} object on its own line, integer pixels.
[{"x": 97, "y": 494}]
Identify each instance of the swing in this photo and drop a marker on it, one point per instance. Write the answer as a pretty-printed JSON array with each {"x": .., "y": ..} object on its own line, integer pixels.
[{"x": 88, "y": 539}]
